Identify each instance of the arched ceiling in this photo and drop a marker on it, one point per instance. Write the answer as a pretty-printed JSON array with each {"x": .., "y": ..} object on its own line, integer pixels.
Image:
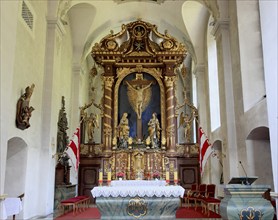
[{"x": 91, "y": 20}]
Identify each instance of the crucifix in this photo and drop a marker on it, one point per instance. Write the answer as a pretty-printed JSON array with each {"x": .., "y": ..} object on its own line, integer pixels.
[{"x": 139, "y": 95}]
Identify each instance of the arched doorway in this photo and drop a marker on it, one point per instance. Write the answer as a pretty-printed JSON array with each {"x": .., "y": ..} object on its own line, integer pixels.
[
  {"x": 16, "y": 165},
  {"x": 217, "y": 163},
  {"x": 258, "y": 155}
]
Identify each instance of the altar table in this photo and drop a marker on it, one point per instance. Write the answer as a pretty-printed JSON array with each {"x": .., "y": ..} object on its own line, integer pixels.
[
  {"x": 138, "y": 183},
  {"x": 12, "y": 206},
  {"x": 138, "y": 201}
]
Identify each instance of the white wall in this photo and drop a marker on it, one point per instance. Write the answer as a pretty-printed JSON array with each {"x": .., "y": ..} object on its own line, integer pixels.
[
  {"x": 25, "y": 62},
  {"x": 259, "y": 162},
  {"x": 268, "y": 14},
  {"x": 251, "y": 57}
]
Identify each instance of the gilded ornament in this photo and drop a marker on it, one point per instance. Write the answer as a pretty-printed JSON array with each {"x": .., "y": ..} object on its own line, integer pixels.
[
  {"x": 108, "y": 81},
  {"x": 111, "y": 45},
  {"x": 137, "y": 207},
  {"x": 169, "y": 81}
]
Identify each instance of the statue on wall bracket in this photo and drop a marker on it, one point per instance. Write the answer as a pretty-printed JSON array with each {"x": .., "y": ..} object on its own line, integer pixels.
[
  {"x": 24, "y": 111},
  {"x": 187, "y": 117},
  {"x": 91, "y": 124}
]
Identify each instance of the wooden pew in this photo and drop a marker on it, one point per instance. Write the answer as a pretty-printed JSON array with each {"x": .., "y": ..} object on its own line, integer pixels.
[{"x": 78, "y": 203}]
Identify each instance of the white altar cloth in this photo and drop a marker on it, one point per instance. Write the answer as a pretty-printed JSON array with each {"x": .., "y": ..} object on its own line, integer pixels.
[
  {"x": 142, "y": 191},
  {"x": 12, "y": 206},
  {"x": 138, "y": 183}
]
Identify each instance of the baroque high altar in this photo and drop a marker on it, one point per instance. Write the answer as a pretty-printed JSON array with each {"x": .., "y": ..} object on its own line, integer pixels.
[{"x": 138, "y": 114}]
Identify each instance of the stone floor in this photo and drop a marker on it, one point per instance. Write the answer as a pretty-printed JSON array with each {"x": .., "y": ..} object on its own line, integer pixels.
[{"x": 50, "y": 217}]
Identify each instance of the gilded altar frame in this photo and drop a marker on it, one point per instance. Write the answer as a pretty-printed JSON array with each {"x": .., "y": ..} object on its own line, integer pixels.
[
  {"x": 122, "y": 73},
  {"x": 137, "y": 48}
]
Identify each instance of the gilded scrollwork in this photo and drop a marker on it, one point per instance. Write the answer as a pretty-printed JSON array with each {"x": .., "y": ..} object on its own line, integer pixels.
[{"x": 136, "y": 40}]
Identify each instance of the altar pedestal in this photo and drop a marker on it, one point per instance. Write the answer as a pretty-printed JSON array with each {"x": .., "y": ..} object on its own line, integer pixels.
[
  {"x": 138, "y": 207},
  {"x": 245, "y": 202},
  {"x": 138, "y": 202}
]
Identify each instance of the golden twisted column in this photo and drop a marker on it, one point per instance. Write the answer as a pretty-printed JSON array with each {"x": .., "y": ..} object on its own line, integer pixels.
[
  {"x": 171, "y": 126},
  {"x": 107, "y": 116}
]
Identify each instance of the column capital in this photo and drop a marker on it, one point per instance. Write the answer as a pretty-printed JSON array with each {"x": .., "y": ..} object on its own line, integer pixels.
[
  {"x": 108, "y": 81},
  {"x": 53, "y": 22},
  {"x": 199, "y": 70},
  {"x": 220, "y": 25},
  {"x": 169, "y": 81}
]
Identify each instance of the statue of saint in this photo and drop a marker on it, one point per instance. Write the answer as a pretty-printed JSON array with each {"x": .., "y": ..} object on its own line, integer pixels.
[
  {"x": 24, "y": 112},
  {"x": 154, "y": 131},
  {"x": 92, "y": 123},
  {"x": 123, "y": 131},
  {"x": 186, "y": 122}
]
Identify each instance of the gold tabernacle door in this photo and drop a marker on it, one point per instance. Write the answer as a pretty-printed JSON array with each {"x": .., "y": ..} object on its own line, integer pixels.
[{"x": 139, "y": 163}]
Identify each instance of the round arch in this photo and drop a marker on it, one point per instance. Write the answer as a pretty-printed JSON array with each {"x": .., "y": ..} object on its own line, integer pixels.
[
  {"x": 16, "y": 165},
  {"x": 258, "y": 156}
]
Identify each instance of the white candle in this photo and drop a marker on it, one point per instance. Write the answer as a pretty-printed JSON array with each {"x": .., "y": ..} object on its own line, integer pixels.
[
  {"x": 100, "y": 176},
  {"x": 167, "y": 175},
  {"x": 175, "y": 175},
  {"x": 109, "y": 176}
]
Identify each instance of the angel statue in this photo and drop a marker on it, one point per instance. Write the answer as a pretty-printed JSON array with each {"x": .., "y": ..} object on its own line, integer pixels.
[
  {"x": 139, "y": 97},
  {"x": 186, "y": 122},
  {"x": 92, "y": 123}
]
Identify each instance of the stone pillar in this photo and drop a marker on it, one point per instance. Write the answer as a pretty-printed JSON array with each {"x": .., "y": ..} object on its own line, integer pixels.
[
  {"x": 227, "y": 103},
  {"x": 202, "y": 95},
  {"x": 171, "y": 122},
  {"x": 107, "y": 113}
]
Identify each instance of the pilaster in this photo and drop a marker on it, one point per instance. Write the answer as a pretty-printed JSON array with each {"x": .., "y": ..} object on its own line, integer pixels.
[{"x": 221, "y": 32}]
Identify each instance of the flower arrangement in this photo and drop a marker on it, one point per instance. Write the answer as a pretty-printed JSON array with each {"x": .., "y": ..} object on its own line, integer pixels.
[
  {"x": 120, "y": 174},
  {"x": 156, "y": 174}
]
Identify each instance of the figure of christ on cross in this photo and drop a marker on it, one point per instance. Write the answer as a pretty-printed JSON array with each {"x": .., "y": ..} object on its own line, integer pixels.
[{"x": 139, "y": 95}]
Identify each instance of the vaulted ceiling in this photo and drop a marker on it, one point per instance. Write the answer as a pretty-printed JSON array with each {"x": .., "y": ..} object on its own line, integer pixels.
[{"x": 91, "y": 20}]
